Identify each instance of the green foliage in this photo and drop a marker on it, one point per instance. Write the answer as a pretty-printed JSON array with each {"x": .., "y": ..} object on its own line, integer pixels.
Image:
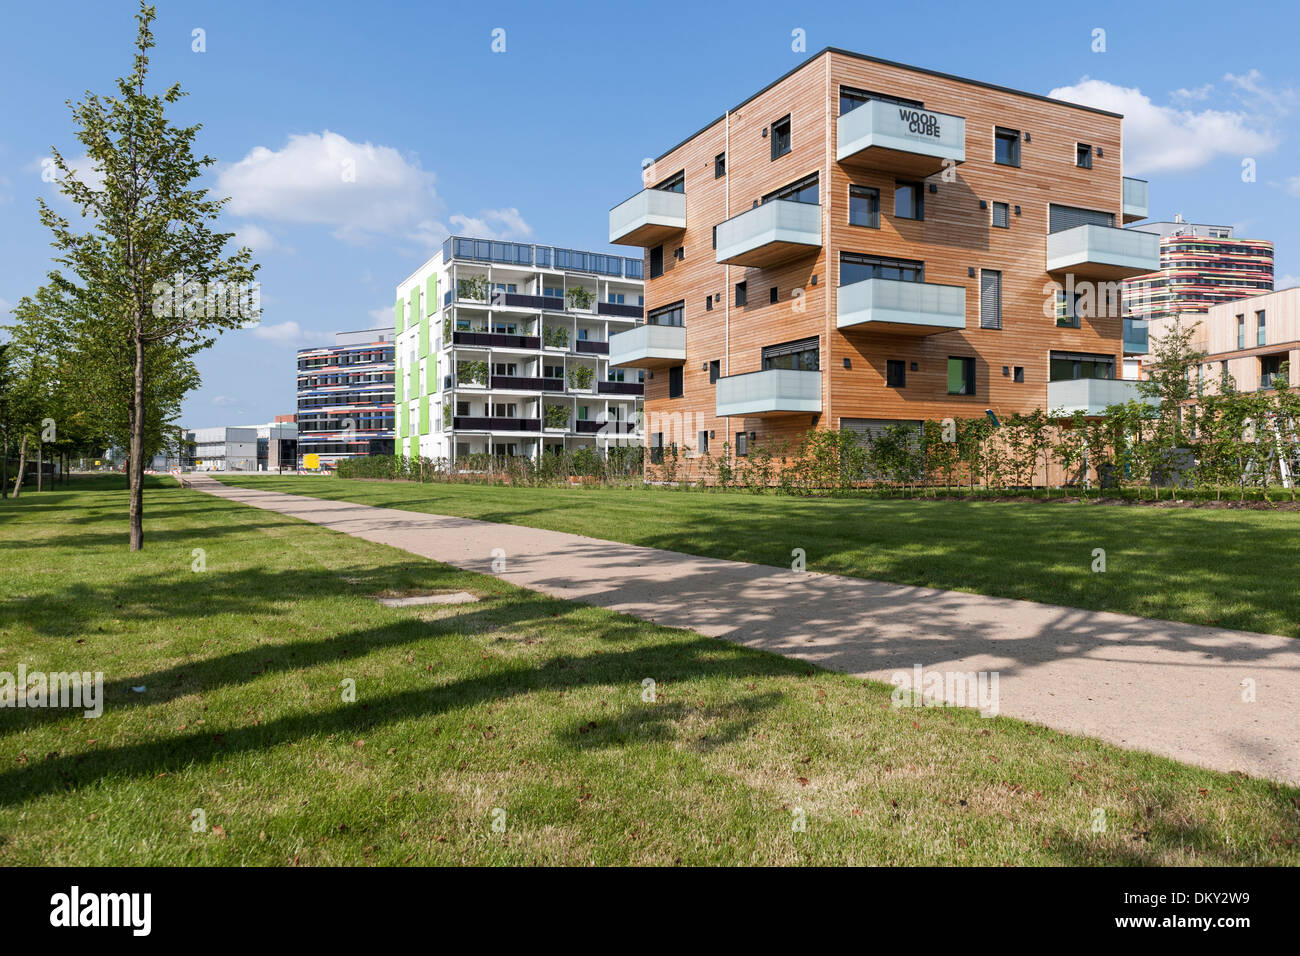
[
  {"x": 555, "y": 336},
  {"x": 579, "y": 297},
  {"x": 556, "y": 416},
  {"x": 471, "y": 373},
  {"x": 473, "y": 288},
  {"x": 581, "y": 377}
]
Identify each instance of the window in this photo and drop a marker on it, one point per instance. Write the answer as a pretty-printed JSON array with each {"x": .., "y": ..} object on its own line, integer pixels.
[
  {"x": 1006, "y": 147},
  {"x": 895, "y": 373},
  {"x": 1019, "y": 375},
  {"x": 742, "y": 444},
  {"x": 674, "y": 184},
  {"x": 1001, "y": 215},
  {"x": 1067, "y": 309},
  {"x": 864, "y": 207},
  {"x": 1066, "y": 366},
  {"x": 1270, "y": 371},
  {"x": 675, "y": 382},
  {"x": 1061, "y": 218},
  {"x": 708, "y": 303},
  {"x": 657, "y": 448},
  {"x": 702, "y": 445},
  {"x": 719, "y": 165},
  {"x": 1260, "y": 327},
  {"x": 990, "y": 299},
  {"x": 851, "y": 99},
  {"x": 804, "y": 354},
  {"x": 773, "y": 296},
  {"x": 961, "y": 376},
  {"x": 855, "y": 267},
  {"x": 1241, "y": 331},
  {"x": 656, "y": 262},
  {"x": 742, "y": 295},
  {"x": 1083, "y": 155},
  {"x": 781, "y": 137},
  {"x": 715, "y": 370},
  {"x": 674, "y": 315},
  {"x": 908, "y": 201},
  {"x": 805, "y": 190}
]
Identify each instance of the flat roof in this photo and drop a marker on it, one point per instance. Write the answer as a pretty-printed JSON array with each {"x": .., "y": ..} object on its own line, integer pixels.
[{"x": 893, "y": 63}]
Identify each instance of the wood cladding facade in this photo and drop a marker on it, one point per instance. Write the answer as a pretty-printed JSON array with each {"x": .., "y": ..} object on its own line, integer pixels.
[{"x": 954, "y": 237}]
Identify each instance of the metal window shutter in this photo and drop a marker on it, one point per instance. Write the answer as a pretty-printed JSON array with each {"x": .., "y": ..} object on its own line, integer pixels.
[
  {"x": 990, "y": 299},
  {"x": 1067, "y": 217}
]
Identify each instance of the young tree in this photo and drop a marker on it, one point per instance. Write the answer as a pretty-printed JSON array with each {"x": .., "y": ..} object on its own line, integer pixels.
[
  {"x": 150, "y": 260},
  {"x": 1170, "y": 378}
]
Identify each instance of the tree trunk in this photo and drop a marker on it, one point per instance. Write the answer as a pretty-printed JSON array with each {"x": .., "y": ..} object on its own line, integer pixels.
[
  {"x": 136, "y": 456},
  {"x": 40, "y": 467},
  {"x": 22, "y": 462},
  {"x": 4, "y": 466}
]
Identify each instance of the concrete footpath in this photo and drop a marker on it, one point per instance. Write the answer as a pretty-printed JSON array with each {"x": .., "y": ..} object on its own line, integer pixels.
[{"x": 1175, "y": 689}]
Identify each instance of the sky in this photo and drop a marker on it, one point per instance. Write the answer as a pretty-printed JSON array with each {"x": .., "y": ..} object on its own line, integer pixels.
[{"x": 530, "y": 120}]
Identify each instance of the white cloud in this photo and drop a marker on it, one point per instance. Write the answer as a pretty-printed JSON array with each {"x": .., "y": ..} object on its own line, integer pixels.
[
  {"x": 1167, "y": 139},
  {"x": 381, "y": 317},
  {"x": 493, "y": 224},
  {"x": 1293, "y": 186},
  {"x": 224, "y": 400},
  {"x": 285, "y": 333},
  {"x": 360, "y": 190},
  {"x": 1285, "y": 282},
  {"x": 5, "y": 306},
  {"x": 257, "y": 238}
]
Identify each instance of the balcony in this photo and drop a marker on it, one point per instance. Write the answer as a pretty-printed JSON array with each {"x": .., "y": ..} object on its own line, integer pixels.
[
  {"x": 479, "y": 424},
  {"x": 523, "y": 383},
  {"x": 899, "y": 139},
  {"x": 528, "y": 303},
  {"x": 906, "y": 308},
  {"x": 1135, "y": 199},
  {"x": 648, "y": 346},
  {"x": 1091, "y": 395},
  {"x": 619, "y": 310},
  {"x": 620, "y": 388},
  {"x": 773, "y": 391},
  {"x": 609, "y": 428},
  {"x": 592, "y": 347},
  {"x": 648, "y": 218},
  {"x": 1136, "y": 339},
  {"x": 496, "y": 340},
  {"x": 1103, "y": 252},
  {"x": 772, "y": 233}
]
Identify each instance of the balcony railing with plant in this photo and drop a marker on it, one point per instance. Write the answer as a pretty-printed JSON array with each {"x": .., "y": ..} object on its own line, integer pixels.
[
  {"x": 471, "y": 373},
  {"x": 555, "y": 336},
  {"x": 556, "y": 416},
  {"x": 581, "y": 377},
  {"x": 473, "y": 288},
  {"x": 580, "y": 298}
]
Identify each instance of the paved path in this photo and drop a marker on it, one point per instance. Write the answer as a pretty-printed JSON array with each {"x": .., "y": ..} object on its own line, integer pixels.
[{"x": 1174, "y": 689}]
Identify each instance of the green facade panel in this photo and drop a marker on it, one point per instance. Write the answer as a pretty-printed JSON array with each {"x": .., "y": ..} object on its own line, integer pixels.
[
  {"x": 403, "y": 416},
  {"x": 424, "y": 414},
  {"x": 424, "y": 337},
  {"x": 415, "y": 447},
  {"x": 398, "y": 311},
  {"x": 431, "y": 374},
  {"x": 431, "y": 294},
  {"x": 397, "y": 389}
]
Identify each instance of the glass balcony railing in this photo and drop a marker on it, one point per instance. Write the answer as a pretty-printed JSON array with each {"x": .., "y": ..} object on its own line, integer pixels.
[
  {"x": 1103, "y": 252},
  {"x": 1135, "y": 199},
  {"x": 1136, "y": 341},
  {"x": 771, "y": 233},
  {"x": 904, "y": 139},
  {"x": 769, "y": 392},
  {"x": 648, "y": 346},
  {"x": 1091, "y": 396},
  {"x": 648, "y": 218},
  {"x": 892, "y": 305}
]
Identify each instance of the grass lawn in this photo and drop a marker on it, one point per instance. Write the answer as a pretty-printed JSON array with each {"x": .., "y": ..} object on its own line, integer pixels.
[
  {"x": 518, "y": 702},
  {"x": 1230, "y": 568}
]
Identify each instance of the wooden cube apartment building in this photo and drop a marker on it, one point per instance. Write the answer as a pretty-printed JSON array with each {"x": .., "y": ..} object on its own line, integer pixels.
[{"x": 864, "y": 242}]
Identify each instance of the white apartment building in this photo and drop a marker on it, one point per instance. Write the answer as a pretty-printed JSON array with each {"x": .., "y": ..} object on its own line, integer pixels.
[{"x": 503, "y": 348}]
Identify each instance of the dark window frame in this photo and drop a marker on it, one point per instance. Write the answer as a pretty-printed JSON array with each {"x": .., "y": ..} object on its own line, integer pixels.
[
  {"x": 872, "y": 197},
  {"x": 1013, "y": 136},
  {"x": 918, "y": 189},
  {"x": 895, "y": 373},
  {"x": 676, "y": 382},
  {"x": 780, "y": 138},
  {"x": 720, "y": 165},
  {"x": 1083, "y": 155},
  {"x": 742, "y": 294},
  {"x": 968, "y": 374}
]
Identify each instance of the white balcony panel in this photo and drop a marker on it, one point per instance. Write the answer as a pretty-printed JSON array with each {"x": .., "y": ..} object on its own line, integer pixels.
[
  {"x": 901, "y": 138},
  {"x": 774, "y": 232},
  {"x": 647, "y": 218},
  {"x": 648, "y": 346},
  {"x": 892, "y": 305},
  {"x": 1091, "y": 396},
  {"x": 1103, "y": 252},
  {"x": 772, "y": 391}
]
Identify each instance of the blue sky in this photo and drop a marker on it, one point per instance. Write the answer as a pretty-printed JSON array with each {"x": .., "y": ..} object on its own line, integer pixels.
[{"x": 538, "y": 141}]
